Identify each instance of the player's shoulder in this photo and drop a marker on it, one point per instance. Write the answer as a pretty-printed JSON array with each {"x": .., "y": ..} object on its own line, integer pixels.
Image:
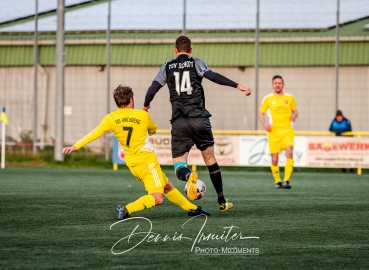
[
  {"x": 169, "y": 61},
  {"x": 200, "y": 65},
  {"x": 268, "y": 96},
  {"x": 128, "y": 113},
  {"x": 144, "y": 115},
  {"x": 112, "y": 114},
  {"x": 289, "y": 95},
  {"x": 195, "y": 58},
  {"x": 166, "y": 64},
  {"x": 140, "y": 112}
]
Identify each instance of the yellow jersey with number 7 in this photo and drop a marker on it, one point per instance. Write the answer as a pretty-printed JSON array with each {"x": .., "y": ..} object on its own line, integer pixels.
[{"x": 132, "y": 128}]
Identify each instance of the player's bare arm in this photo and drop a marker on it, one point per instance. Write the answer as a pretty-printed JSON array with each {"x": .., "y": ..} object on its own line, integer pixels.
[
  {"x": 146, "y": 108},
  {"x": 69, "y": 149},
  {"x": 244, "y": 89},
  {"x": 294, "y": 115},
  {"x": 266, "y": 126}
]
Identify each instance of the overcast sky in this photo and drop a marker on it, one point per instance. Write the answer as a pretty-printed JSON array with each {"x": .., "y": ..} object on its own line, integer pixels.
[{"x": 168, "y": 14}]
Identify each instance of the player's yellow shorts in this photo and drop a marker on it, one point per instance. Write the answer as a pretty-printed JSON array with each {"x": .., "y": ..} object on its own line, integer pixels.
[
  {"x": 280, "y": 138},
  {"x": 151, "y": 176}
]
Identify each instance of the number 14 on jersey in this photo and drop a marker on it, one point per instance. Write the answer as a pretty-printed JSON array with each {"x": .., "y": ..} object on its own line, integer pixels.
[{"x": 184, "y": 84}]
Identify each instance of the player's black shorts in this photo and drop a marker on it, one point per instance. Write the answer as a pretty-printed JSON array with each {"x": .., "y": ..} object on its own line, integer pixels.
[{"x": 189, "y": 131}]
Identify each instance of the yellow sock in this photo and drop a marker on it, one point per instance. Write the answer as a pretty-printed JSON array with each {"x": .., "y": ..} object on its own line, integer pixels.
[
  {"x": 275, "y": 173},
  {"x": 177, "y": 198},
  {"x": 145, "y": 202},
  {"x": 288, "y": 169}
]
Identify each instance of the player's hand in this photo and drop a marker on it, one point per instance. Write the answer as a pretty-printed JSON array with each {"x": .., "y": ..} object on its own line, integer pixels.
[
  {"x": 293, "y": 118},
  {"x": 146, "y": 108},
  {"x": 244, "y": 89},
  {"x": 268, "y": 127},
  {"x": 68, "y": 150},
  {"x": 152, "y": 132}
]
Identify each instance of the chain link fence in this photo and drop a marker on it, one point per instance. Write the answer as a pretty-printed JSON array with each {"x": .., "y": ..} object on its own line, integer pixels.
[{"x": 295, "y": 40}]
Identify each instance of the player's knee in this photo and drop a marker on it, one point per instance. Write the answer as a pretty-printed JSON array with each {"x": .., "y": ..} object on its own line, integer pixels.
[
  {"x": 289, "y": 154},
  {"x": 169, "y": 187},
  {"x": 158, "y": 201},
  {"x": 209, "y": 156},
  {"x": 275, "y": 161},
  {"x": 158, "y": 198}
]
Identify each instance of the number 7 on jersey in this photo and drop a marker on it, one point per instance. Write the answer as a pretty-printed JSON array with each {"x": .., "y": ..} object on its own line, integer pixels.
[{"x": 130, "y": 130}]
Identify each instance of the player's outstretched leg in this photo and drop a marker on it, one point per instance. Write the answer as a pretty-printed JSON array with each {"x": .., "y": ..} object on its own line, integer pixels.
[
  {"x": 144, "y": 202},
  {"x": 198, "y": 212},
  {"x": 216, "y": 179},
  {"x": 176, "y": 197},
  {"x": 122, "y": 212}
]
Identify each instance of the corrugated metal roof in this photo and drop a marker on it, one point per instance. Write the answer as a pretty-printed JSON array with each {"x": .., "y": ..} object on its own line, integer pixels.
[
  {"x": 15, "y": 9},
  {"x": 354, "y": 31},
  {"x": 206, "y": 15}
]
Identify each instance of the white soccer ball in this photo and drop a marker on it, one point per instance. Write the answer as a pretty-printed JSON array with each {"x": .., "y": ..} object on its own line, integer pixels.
[{"x": 201, "y": 189}]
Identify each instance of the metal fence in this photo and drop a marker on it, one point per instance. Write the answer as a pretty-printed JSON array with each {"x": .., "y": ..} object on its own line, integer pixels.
[{"x": 320, "y": 48}]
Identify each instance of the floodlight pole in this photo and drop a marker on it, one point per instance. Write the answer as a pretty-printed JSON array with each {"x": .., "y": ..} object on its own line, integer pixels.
[
  {"x": 256, "y": 92},
  {"x": 184, "y": 18},
  {"x": 59, "y": 89},
  {"x": 337, "y": 51},
  {"x": 107, "y": 141},
  {"x": 35, "y": 65}
]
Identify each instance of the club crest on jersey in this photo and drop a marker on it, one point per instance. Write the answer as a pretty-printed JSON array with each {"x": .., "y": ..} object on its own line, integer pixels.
[{"x": 286, "y": 101}]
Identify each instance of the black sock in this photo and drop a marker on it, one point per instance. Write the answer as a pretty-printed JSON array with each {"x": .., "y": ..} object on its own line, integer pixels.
[
  {"x": 216, "y": 179},
  {"x": 183, "y": 173},
  {"x": 221, "y": 199}
]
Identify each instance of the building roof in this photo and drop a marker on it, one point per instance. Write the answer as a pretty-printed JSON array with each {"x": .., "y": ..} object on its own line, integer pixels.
[
  {"x": 16, "y": 9},
  {"x": 143, "y": 32},
  {"x": 161, "y": 15}
]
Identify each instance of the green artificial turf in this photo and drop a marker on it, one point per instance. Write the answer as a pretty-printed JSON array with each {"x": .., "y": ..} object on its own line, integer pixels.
[{"x": 60, "y": 218}]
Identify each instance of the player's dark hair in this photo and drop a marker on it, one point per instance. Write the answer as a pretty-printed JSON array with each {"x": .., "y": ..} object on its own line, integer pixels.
[
  {"x": 122, "y": 95},
  {"x": 339, "y": 113},
  {"x": 183, "y": 44},
  {"x": 277, "y": 77}
]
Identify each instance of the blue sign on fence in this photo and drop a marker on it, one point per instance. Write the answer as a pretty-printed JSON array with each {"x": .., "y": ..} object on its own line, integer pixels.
[{"x": 118, "y": 152}]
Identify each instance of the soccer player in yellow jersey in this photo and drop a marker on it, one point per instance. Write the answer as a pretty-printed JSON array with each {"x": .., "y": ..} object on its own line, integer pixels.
[
  {"x": 282, "y": 111},
  {"x": 132, "y": 129}
]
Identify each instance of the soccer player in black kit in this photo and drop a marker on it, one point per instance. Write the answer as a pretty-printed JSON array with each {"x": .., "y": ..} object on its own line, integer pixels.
[{"x": 190, "y": 120}]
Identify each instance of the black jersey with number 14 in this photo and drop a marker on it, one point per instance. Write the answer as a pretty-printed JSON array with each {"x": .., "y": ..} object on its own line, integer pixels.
[{"x": 183, "y": 76}]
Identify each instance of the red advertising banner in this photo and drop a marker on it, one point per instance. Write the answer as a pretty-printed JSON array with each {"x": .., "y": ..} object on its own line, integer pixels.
[{"x": 337, "y": 152}]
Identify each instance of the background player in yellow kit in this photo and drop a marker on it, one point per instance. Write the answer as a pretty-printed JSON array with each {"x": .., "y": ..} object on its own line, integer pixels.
[
  {"x": 132, "y": 129},
  {"x": 281, "y": 108}
]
